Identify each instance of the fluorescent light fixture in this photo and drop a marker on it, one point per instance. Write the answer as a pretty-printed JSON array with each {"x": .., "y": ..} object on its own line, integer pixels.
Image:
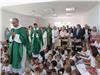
[
  {"x": 10, "y": 19},
  {"x": 70, "y": 9}
]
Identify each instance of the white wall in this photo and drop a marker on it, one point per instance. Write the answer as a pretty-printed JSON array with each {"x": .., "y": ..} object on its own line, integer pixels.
[
  {"x": 99, "y": 18},
  {"x": 0, "y": 24},
  {"x": 74, "y": 20},
  {"x": 93, "y": 17},
  {"x": 42, "y": 22},
  {"x": 24, "y": 20}
]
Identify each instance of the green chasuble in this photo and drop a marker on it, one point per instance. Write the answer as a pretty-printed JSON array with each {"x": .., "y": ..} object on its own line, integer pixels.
[
  {"x": 16, "y": 46},
  {"x": 49, "y": 36},
  {"x": 37, "y": 41}
]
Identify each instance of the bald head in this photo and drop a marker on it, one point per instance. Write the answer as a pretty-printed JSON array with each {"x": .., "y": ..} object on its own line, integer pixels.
[
  {"x": 28, "y": 71},
  {"x": 15, "y": 22}
]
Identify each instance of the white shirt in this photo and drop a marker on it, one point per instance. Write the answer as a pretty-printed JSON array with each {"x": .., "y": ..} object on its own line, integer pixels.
[
  {"x": 30, "y": 73},
  {"x": 45, "y": 35},
  {"x": 47, "y": 54},
  {"x": 92, "y": 61},
  {"x": 98, "y": 71},
  {"x": 43, "y": 72},
  {"x": 44, "y": 40},
  {"x": 6, "y": 68},
  {"x": 90, "y": 57},
  {"x": 93, "y": 33},
  {"x": 86, "y": 53},
  {"x": 65, "y": 73},
  {"x": 82, "y": 69},
  {"x": 17, "y": 36},
  {"x": 73, "y": 58},
  {"x": 63, "y": 33},
  {"x": 59, "y": 64},
  {"x": 97, "y": 45},
  {"x": 1, "y": 65},
  {"x": 33, "y": 66},
  {"x": 54, "y": 35},
  {"x": 1, "y": 45},
  {"x": 86, "y": 34},
  {"x": 64, "y": 55}
]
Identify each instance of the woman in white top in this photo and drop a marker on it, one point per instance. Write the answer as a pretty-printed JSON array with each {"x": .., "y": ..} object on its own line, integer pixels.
[
  {"x": 93, "y": 34},
  {"x": 97, "y": 43},
  {"x": 63, "y": 32}
]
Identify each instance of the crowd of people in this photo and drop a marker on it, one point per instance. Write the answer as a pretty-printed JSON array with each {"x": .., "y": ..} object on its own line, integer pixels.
[{"x": 42, "y": 50}]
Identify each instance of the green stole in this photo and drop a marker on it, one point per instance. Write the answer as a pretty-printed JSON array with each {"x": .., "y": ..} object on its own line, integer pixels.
[{"x": 49, "y": 36}]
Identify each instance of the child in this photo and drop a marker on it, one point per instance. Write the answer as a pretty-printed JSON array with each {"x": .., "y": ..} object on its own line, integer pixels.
[
  {"x": 42, "y": 70},
  {"x": 1, "y": 65},
  {"x": 59, "y": 61},
  {"x": 64, "y": 53},
  {"x": 86, "y": 54},
  {"x": 32, "y": 64},
  {"x": 67, "y": 70},
  {"x": 97, "y": 43},
  {"x": 67, "y": 61},
  {"x": 28, "y": 72},
  {"x": 37, "y": 71},
  {"x": 45, "y": 53},
  {"x": 53, "y": 65},
  {"x": 6, "y": 67},
  {"x": 53, "y": 72},
  {"x": 50, "y": 58},
  {"x": 74, "y": 70}
]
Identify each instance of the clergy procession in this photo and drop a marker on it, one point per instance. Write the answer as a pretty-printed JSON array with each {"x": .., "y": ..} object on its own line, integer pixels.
[{"x": 35, "y": 50}]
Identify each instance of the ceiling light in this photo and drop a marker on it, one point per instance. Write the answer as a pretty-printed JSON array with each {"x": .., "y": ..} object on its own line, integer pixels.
[
  {"x": 10, "y": 20},
  {"x": 70, "y": 9}
]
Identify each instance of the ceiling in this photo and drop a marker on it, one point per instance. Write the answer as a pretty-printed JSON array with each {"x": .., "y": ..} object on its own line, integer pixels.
[{"x": 49, "y": 9}]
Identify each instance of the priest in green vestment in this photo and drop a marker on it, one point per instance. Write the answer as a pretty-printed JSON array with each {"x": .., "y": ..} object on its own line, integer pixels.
[
  {"x": 49, "y": 37},
  {"x": 37, "y": 41},
  {"x": 19, "y": 47}
]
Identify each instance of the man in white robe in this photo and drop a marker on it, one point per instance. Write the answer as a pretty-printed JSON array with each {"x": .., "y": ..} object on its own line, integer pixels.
[{"x": 55, "y": 34}]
